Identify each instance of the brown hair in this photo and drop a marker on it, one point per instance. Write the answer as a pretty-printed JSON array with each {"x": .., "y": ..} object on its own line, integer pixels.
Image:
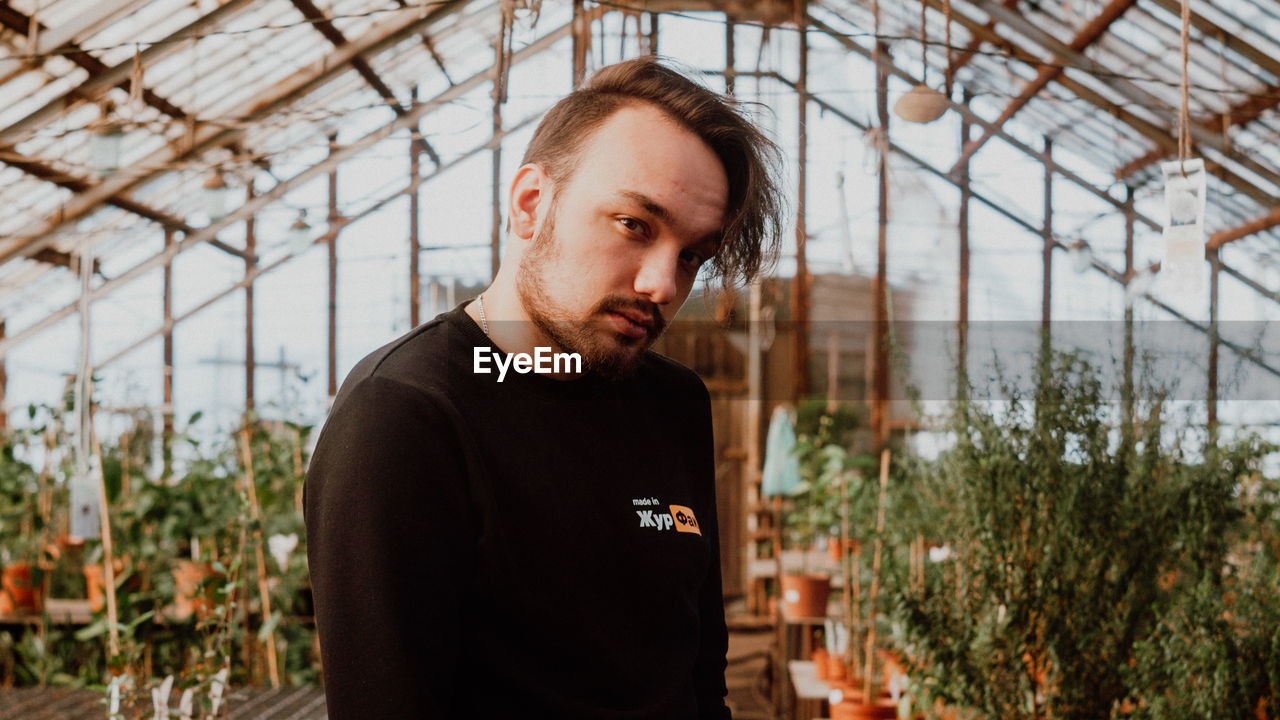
[{"x": 753, "y": 214}]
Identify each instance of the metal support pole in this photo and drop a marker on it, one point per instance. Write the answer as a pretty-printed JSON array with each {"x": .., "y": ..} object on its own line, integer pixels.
[
  {"x": 1214, "y": 268},
  {"x": 880, "y": 398},
  {"x": 250, "y": 359},
  {"x": 331, "y": 240},
  {"x": 653, "y": 33},
  {"x": 800, "y": 287},
  {"x": 1047, "y": 233},
  {"x": 415, "y": 243},
  {"x": 962, "y": 325},
  {"x": 167, "y": 436}
]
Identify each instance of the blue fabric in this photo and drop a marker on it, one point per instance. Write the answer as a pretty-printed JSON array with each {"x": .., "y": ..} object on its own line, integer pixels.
[{"x": 781, "y": 468}]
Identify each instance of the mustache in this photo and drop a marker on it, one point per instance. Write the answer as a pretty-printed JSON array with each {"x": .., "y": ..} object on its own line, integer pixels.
[{"x": 614, "y": 303}]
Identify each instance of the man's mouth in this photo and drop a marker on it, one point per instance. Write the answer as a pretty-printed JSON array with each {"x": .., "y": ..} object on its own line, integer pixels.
[{"x": 631, "y": 324}]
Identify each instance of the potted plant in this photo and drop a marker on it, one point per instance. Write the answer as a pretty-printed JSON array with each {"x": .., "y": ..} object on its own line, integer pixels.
[
  {"x": 1064, "y": 528},
  {"x": 21, "y": 534},
  {"x": 821, "y": 439}
]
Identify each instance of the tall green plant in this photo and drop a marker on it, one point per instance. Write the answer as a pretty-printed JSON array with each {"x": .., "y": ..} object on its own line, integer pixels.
[{"x": 1061, "y": 528}]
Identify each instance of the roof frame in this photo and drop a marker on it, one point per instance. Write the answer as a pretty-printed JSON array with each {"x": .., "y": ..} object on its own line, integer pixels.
[
  {"x": 1085, "y": 36},
  {"x": 206, "y": 138},
  {"x": 339, "y": 155},
  {"x": 325, "y": 27},
  {"x": 1125, "y": 88},
  {"x": 1159, "y": 135}
]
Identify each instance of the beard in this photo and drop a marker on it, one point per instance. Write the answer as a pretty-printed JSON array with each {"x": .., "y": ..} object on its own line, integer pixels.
[{"x": 604, "y": 351}]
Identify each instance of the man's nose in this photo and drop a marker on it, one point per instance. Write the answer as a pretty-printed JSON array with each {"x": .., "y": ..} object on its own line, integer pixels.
[{"x": 656, "y": 278}]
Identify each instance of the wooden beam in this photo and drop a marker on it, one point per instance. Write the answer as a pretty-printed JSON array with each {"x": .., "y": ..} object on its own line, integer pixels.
[
  {"x": 1047, "y": 73},
  {"x": 1257, "y": 225},
  {"x": 260, "y": 269},
  {"x": 1161, "y": 136},
  {"x": 276, "y": 192},
  {"x": 1134, "y": 94},
  {"x": 283, "y": 94},
  {"x": 36, "y": 168},
  {"x": 1239, "y": 115},
  {"x": 99, "y": 83},
  {"x": 362, "y": 67}
]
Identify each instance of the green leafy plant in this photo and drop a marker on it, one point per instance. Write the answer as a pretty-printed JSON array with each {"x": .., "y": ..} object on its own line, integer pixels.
[{"x": 1062, "y": 528}]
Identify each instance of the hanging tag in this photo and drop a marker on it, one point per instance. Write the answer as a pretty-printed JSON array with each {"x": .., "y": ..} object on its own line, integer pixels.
[
  {"x": 84, "y": 501},
  {"x": 1182, "y": 267}
]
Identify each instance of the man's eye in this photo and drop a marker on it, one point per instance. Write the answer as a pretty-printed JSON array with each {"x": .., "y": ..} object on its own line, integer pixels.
[{"x": 632, "y": 224}]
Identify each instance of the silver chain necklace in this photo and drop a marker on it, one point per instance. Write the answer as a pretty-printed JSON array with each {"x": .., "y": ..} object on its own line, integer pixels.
[{"x": 484, "y": 324}]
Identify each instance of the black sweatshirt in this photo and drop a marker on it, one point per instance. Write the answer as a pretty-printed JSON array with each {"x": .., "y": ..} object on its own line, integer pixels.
[{"x": 526, "y": 548}]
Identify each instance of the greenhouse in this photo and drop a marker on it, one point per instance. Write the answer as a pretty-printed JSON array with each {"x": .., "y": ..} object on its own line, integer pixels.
[{"x": 640, "y": 359}]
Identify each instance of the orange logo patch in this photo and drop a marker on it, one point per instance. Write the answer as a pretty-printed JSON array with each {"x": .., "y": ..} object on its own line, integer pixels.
[{"x": 685, "y": 521}]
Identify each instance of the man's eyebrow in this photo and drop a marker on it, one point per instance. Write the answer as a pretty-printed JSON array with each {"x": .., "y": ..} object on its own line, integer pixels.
[{"x": 652, "y": 207}]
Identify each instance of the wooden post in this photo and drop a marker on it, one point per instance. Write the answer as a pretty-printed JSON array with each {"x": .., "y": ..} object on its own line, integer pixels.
[
  {"x": 653, "y": 33},
  {"x": 4, "y": 381},
  {"x": 1047, "y": 233},
  {"x": 1126, "y": 393},
  {"x": 250, "y": 361},
  {"x": 331, "y": 240},
  {"x": 880, "y": 336},
  {"x": 962, "y": 325},
  {"x": 415, "y": 244},
  {"x": 800, "y": 287},
  {"x": 581, "y": 44},
  {"x": 167, "y": 438},
  {"x": 264, "y": 593},
  {"x": 868, "y": 670},
  {"x": 1214, "y": 266},
  {"x": 730, "y": 72},
  {"x": 495, "y": 237},
  {"x": 108, "y": 552}
]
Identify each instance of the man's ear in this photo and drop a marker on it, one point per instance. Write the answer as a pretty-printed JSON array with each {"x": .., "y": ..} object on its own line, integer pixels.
[{"x": 529, "y": 201}]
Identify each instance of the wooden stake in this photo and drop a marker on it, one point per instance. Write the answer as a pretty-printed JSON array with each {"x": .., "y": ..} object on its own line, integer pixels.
[
  {"x": 108, "y": 554},
  {"x": 246, "y": 457},
  {"x": 869, "y": 670}
]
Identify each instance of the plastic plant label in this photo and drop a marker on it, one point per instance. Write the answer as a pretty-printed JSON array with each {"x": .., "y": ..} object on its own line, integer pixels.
[{"x": 1182, "y": 268}]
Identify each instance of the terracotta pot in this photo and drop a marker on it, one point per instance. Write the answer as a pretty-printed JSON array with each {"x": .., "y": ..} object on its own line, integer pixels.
[
  {"x": 820, "y": 658},
  {"x": 805, "y": 596},
  {"x": 188, "y": 596},
  {"x": 23, "y": 594},
  {"x": 95, "y": 581},
  {"x": 858, "y": 710}
]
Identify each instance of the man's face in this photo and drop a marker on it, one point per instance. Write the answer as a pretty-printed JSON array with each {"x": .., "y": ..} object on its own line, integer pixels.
[{"x": 617, "y": 254}]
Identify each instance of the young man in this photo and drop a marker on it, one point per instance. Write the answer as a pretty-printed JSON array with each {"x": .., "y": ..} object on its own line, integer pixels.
[{"x": 511, "y": 510}]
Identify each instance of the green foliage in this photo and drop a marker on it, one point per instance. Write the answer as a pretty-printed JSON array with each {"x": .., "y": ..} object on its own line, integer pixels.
[
  {"x": 823, "y": 440},
  {"x": 1062, "y": 528}
]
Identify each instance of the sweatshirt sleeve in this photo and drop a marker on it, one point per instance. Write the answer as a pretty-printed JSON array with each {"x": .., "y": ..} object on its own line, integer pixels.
[
  {"x": 710, "y": 666},
  {"x": 389, "y": 542}
]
